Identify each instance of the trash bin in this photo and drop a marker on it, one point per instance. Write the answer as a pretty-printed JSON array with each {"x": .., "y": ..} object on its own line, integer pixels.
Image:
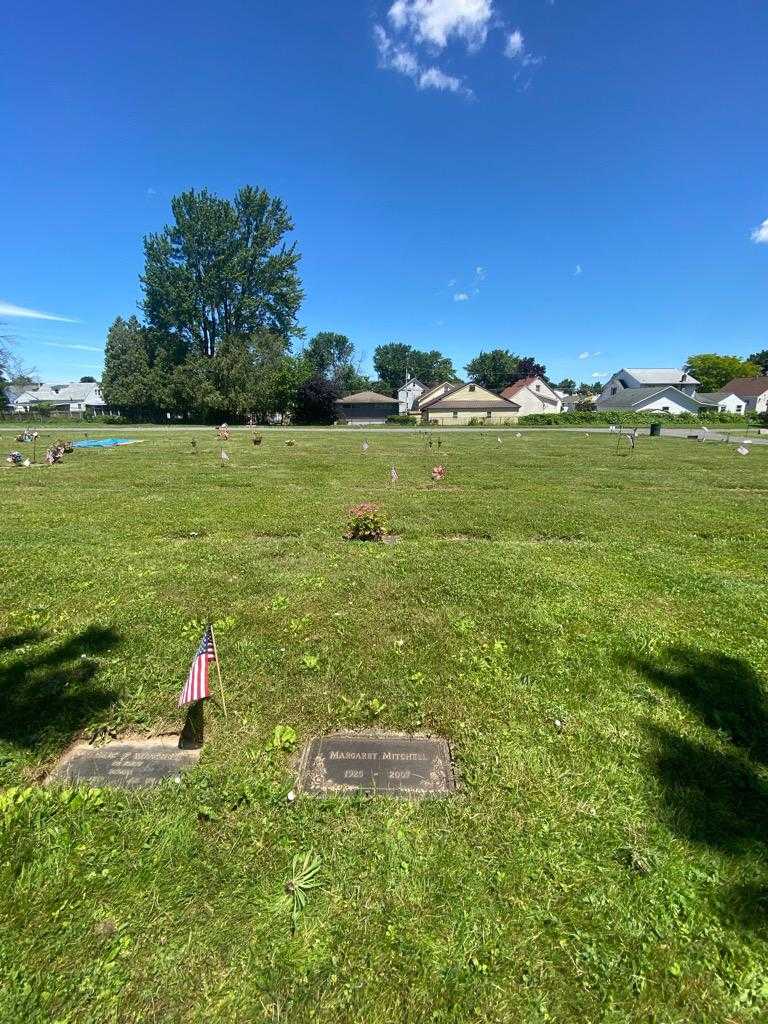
[{"x": 655, "y": 430}]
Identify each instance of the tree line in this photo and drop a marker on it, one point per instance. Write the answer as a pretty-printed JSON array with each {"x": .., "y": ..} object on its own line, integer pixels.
[{"x": 220, "y": 337}]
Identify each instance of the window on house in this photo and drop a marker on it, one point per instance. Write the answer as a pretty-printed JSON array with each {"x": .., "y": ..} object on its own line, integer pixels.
[
  {"x": 665, "y": 408},
  {"x": 613, "y": 391},
  {"x": 471, "y": 387},
  {"x": 538, "y": 387},
  {"x": 489, "y": 413},
  {"x": 455, "y": 415},
  {"x": 739, "y": 408}
]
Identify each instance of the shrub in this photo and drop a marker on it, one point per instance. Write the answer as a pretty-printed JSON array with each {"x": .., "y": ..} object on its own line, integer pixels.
[
  {"x": 365, "y": 522},
  {"x": 627, "y": 418},
  {"x": 403, "y": 420}
]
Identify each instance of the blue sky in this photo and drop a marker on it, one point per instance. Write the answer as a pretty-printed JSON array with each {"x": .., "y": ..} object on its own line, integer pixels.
[{"x": 584, "y": 182}]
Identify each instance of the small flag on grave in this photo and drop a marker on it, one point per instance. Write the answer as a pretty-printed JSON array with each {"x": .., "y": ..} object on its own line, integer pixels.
[
  {"x": 224, "y": 456},
  {"x": 498, "y": 439},
  {"x": 393, "y": 476},
  {"x": 197, "y": 686},
  {"x": 364, "y": 447}
]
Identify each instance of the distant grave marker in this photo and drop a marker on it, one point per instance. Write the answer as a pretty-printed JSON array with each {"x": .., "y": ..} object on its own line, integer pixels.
[
  {"x": 127, "y": 764},
  {"x": 390, "y": 764}
]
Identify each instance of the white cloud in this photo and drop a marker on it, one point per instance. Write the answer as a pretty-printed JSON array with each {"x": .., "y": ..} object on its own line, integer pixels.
[
  {"x": 461, "y": 297},
  {"x": 481, "y": 273},
  {"x": 79, "y": 348},
  {"x": 597, "y": 376},
  {"x": 760, "y": 235},
  {"x": 515, "y": 44},
  {"x": 578, "y": 271},
  {"x": 583, "y": 355},
  {"x": 434, "y": 22},
  {"x": 151, "y": 192},
  {"x": 8, "y": 309},
  {"x": 434, "y": 78},
  {"x": 395, "y": 56}
]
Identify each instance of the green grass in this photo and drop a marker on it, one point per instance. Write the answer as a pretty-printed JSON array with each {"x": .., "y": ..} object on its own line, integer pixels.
[{"x": 611, "y": 868}]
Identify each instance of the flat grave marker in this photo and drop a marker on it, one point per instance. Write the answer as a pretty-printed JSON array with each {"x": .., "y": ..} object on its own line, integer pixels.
[
  {"x": 389, "y": 764},
  {"x": 127, "y": 764}
]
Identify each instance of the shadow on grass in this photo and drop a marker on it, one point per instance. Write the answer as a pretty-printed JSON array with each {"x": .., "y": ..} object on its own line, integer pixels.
[
  {"x": 725, "y": 692},
  {"x": 48, "y": 696},
  {"x": 715, "y": 797}
]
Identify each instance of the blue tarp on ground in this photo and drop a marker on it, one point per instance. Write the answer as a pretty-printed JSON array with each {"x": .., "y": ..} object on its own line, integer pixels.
[{"x": 104, "y": 442}]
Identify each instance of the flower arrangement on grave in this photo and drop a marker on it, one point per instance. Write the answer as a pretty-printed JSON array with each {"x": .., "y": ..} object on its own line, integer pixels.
[
  {"x": 290, "y": 443},
  {"x": 15, "y": 458},
  {"x": 55, "y": 453},
  {"x": 257, "y": 439},
  {"x": 223, "y": 432},
  {"x": 438, "y": 473},
  {"x": 65, "y": 446},
  {"x": 365, "y": 522}
]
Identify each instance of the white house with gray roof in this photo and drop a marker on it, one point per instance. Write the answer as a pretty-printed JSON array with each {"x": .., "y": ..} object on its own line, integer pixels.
[
  {"x": 650, "y": 390},
  {"x": 74, "y": 399}
]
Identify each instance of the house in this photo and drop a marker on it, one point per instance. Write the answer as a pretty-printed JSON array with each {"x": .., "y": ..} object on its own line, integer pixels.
[
  {"x": 434, "y": 391},
  {"x": 625, "y": 380},
  {"x": 408, "y": 394},
  {"x": 721, "y": 401},
  {"x": 74, "y": 399},
  {"x": 753, "y": 391},
  {"x": 365, "y": 407},
  {"x": 533, "y": 394},
  {"x": 568, "y": 402},
  {"x": 466, "y": 402},
  {"x": 652, "y": 398}
]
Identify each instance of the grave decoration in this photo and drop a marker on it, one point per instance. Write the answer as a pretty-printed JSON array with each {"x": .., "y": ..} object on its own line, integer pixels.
[
  {"x": 257, "y": 439},
  {"x": 365, "y": 522},
  {"x": 438, "y": 473},
  {"x": 15, "y": 458},
  {"x": 223, "y": 432},
  {"x": 377, "y": 763}
]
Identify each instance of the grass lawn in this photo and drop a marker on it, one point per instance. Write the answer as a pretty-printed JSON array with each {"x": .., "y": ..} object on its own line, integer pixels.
[{"x": 611, "y": 867}]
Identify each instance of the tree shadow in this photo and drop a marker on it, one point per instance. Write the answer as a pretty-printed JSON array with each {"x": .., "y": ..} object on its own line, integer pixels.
[
  {"x": 48, "y": 696},
  {"x": 10, "y": 643},
  {"x": 716, "y": 797},
  {"x": 725, "y": 692}
]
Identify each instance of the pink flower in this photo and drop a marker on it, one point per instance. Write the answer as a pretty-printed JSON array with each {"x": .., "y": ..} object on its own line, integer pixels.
[{"x": 438, "y": 473}]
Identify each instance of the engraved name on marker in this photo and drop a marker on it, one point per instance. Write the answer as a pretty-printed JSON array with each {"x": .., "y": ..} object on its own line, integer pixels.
[{"x": 391, "y": 764}]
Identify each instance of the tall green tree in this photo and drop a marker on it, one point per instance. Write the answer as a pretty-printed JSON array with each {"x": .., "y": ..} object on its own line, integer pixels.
[
  {"x": 222, "y": 269},
  {"x": 394, "y": 360},
  {"x": 127, "y": 380},
  {"x": 499, "y": 368},
  {"x": 567, "y": 384},
  {"x": 760, "y": 359},
  {"x": 714, "y": 371}
]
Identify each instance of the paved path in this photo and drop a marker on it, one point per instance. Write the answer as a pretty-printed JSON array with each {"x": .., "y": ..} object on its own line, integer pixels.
[{"x": 735, "y": 433}]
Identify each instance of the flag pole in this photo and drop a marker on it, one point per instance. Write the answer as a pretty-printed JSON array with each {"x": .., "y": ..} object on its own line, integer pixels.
[{"x": 218, "y": 671}]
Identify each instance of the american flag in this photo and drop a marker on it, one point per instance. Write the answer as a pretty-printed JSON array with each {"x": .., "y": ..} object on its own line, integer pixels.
[
  {"x": 393, "y": 475},
  {"x": 196, "y": 686}
]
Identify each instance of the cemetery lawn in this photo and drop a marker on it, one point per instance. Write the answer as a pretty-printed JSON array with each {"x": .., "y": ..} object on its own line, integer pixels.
[{"x": 588, "y": 628}]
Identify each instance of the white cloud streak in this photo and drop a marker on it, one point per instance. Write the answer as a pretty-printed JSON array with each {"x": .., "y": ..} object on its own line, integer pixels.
[
  {"x": 578, "y": 271},
  {"x": 760, "y": 234},
  {"x": 9, "y": 309},
  {"x": 395, "y": 56},
  {"x": 461, "y": 297},
  {"x": 77, "y": 348}
]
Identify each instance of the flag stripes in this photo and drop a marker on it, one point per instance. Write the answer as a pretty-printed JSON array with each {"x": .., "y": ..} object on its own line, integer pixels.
[{"x": 197, "y": 686}]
